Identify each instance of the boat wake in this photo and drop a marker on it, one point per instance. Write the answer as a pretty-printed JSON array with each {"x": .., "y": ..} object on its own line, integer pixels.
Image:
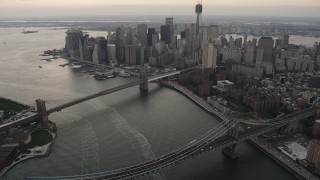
[{"x": 138, "y": 140}]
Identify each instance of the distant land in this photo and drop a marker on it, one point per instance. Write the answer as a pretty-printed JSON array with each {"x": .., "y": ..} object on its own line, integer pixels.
[{"x": 309, "y": 10}]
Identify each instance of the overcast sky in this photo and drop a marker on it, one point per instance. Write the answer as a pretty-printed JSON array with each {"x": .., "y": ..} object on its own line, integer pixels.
[{"x": 40, "y": 8}]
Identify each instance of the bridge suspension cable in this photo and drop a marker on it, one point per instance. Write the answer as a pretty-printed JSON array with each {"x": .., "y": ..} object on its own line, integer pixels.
[{"x": 177, "y": 155}]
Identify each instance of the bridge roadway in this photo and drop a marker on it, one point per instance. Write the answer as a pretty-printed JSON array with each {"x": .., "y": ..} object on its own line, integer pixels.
[
  {"x": 102, "y": 93},
  {"x": 13, "y": 124},
  {"x": 195, "y": 98}
]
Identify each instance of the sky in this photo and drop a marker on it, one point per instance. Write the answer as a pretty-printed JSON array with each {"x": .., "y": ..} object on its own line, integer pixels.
[{"x": 40, "y": 8}]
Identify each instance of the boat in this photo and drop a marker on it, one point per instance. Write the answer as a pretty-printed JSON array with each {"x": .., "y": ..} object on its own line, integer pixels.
[
  {"x": 102, "y": 75},
  {"x": 98, "y": 77},
  {"x": 63, "y": 65},
  {"x": 76, "y": 65},
  {"x": 29, "y": 32},
  {"x": 40, "y": 66},
  {"x": 124, "y": 75}
]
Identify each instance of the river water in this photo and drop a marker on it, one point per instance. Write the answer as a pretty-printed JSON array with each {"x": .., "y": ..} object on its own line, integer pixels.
[{"x": 117, "y": 130}]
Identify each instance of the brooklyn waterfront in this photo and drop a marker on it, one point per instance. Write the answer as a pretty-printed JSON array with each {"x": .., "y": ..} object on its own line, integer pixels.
[{"x": 114, "y": 131}]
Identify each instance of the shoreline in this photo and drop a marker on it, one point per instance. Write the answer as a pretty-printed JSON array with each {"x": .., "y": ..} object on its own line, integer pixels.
[
  {"x": 33, "y": 154},
  {"x": 266, "y": 149}
]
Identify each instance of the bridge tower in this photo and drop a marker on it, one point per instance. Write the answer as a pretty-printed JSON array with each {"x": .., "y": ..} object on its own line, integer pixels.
[
  {"x": 42, "y": 110},
  {"x": 233, "y": 133},
  {"x": 144, "y": 77}
]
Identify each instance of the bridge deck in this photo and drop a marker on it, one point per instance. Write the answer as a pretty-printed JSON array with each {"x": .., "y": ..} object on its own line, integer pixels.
[{"x": 102, "y": 93}]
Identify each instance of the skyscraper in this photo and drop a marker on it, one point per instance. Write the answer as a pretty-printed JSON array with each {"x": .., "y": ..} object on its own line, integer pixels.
[
  {"x": 245, "y": 41},
  {"x": 73, "y": 40},
  {"x": 151, "y": 31},
  {"x": 130, "y": 54},
  {"x": 169, "y": 22},
  {"x": 199, "y": 13},
  {"x": 209, "y": 56},
  {"x": 259, "y": 57},
  {"x": 213, "y": 32},
  {"x": 130, "y": 35},
  {"x": 165, "y": 34},
  {"x": 266, "y": 43},
  {"x": 111, "y": 49},
  {"x": 142, "y": 30},
  {"x": 100, "y": 55},
  {"x": 140, "y": 55},
  {"x": 284, "y": 41},
  {"x": 249, "y": 55},
  {"x": 120, "y": 44}
]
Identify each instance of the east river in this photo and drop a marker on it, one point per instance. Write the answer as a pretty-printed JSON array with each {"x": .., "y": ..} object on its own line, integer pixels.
[{"x": 117, "y": 130}]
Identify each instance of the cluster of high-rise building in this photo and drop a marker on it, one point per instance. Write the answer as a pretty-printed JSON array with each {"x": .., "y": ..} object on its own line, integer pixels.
[
  {"x": 194, "y": 45},
  {"x": 143, "y": 44}
]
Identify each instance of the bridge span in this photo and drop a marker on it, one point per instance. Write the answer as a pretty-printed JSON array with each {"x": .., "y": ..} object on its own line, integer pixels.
[
  {"x": 102, "y": 93},
  {"x": 214, "y": 139},
  {"x": 43, "y": 113}
]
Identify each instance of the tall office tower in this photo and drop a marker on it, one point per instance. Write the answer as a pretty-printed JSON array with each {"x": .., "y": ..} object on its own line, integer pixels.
[
  {"x": 81, "y": 53},
  {"x": 155, "y": 39},
  {"x": 100, "y": 55},
  {"x": 140, "y": 55},
  {"x": 238, "y": 43},
  {"x": 183, "y": 34},
  {"x": 317, "y": 49},
  {"x": 199, "y": 13},
  {"x": 266, "y": 43},
  {"x": 142, "y": 34},
  {"x": 224, "y": 41},
  {"x": 259, "y": 57},
  {"x": 95, "y": 54},
  {"x": 165, "y": 34},
  {"x": 169, "y": 22},
  {"x": 245, "y": 41},
  {"x": 254, "y": 42},
  {"x": 174, "y": 41},
  {"x": 231, "y": 42},
  {"x": 284, "y": 41},
  {"x": 130, "y": 35},
  {"x": 120, "y": 44},
  {"x": 151, "y": 32},
  {"x": 130, "y": 52},
  {"x": 111, "y": 48},
  {"x": 73, "y": 40},
  {"x": 204, "y": 35},
  {"x": 109, "y": 35},
  {"x": 191, "y": 40},
  {"x": 277, "y": 44},
  {"x": 249, "y": 55},
  {"x": 87, "y": 48},
  {"x": 213, "y": 32},
  {"x": 209, "y": 56}
]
